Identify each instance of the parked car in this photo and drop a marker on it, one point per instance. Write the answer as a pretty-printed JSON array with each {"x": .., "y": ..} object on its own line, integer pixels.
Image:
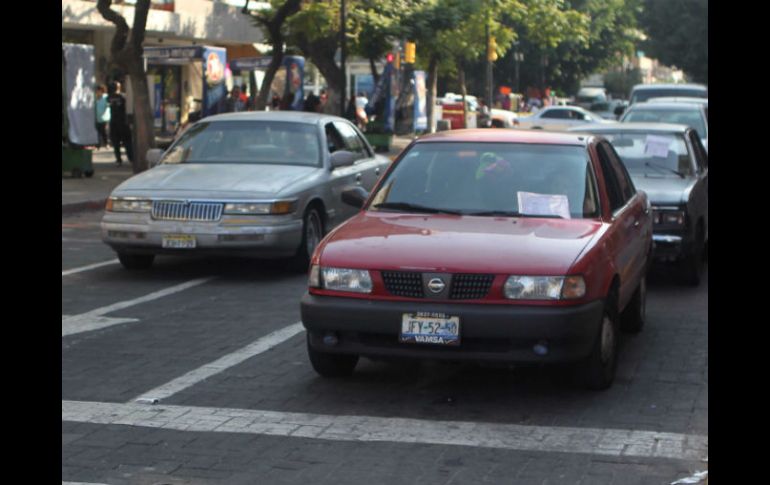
[
  {"x": 691, "y": 114},
  {"x": 607, "y": 109},
  {"x": 556, "y": 118},
  {"x": 680, "y": 99},
  {"x": 502, "y": 118},
  {"x": 588, "y": 96},
  {"x": 263, "y": 184},
  {"x": 669, "y": 163},
  {"x": 643, "y": 92},
  {"x": 486, "y": 245}
]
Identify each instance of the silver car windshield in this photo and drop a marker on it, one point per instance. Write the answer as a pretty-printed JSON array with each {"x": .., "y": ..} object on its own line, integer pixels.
[
  {"x": 247, "y": 142},
  {"x": 652, "y": 154},
  {"x": 491, "y": 179}
]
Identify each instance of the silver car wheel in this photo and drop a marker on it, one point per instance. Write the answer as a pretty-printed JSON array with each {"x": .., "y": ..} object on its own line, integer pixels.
[{"x": 312, "y": 232}]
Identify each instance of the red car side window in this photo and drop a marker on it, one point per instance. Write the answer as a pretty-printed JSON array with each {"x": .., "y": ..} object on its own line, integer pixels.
[{"x": 614, "y": 192}]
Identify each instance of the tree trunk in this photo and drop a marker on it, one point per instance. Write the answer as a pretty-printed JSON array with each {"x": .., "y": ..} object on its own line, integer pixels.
[
  {"x": 267, "y": 81},
  {"x": 143, "y": 136},
  {"x": 321, "y": 54},
  {"x": 273, "y": 25},
  {"x": 126, "y": 50},
  {"x": 432, "y": 84},
  {"x": 373, "y": 67}
]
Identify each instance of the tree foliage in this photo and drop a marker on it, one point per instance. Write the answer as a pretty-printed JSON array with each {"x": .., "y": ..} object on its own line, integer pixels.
[{"x": 677, "y": 34}]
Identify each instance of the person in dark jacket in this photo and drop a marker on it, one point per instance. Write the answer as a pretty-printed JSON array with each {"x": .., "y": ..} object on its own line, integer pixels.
[{"x": 120, "y": 132}]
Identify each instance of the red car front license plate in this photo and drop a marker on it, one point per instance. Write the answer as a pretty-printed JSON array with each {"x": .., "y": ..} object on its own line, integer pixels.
[{"x": 430, "y": 328}]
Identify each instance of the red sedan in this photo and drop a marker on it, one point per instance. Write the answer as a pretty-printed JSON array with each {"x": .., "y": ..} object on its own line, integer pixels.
[{"x": 486, "y": 245}]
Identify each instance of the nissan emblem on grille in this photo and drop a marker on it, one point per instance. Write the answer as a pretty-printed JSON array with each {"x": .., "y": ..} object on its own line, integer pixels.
[{"x": 436, "y": 285}]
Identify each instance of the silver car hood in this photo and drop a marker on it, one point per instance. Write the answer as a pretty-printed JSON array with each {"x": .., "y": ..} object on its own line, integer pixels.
[
  {"x": 214, "y": 180},
  {"x": 665, "y": 190}
]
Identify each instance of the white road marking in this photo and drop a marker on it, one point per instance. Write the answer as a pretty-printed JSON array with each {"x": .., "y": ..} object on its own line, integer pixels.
[
  {"x": 612, "y": 442},
  {"x": 204, "y": 372},
  {"x": 95, "y": 319},
  {"x": 86, "y": 268},
  {"x": 81, "y": 483}
]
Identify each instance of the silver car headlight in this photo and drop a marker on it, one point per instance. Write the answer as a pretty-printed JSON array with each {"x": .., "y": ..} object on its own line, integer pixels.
[
  {"x": 120, "y": 204},
  {"x": 261, "y": 208},
  {"x": 544, "y": 287},
  {"x": 341, "y": 279}
]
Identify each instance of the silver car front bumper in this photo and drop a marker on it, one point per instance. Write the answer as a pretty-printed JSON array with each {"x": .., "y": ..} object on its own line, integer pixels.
[{"x": 138, "y": 233}]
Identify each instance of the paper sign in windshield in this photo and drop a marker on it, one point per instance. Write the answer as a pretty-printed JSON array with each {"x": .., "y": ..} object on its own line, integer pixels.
[
  {"x": 656, "y": 146},
  {"x": 534, "y": 204}
]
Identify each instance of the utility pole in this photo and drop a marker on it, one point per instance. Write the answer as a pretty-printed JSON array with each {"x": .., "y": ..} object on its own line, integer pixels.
[{"x": 343, "y": 49}]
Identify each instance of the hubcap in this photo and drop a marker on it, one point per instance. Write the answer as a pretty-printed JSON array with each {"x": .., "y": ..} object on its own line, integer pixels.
[{"x": 608, "y": 339}]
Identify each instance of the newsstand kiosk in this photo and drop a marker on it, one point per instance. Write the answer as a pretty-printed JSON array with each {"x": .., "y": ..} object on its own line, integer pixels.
[
  {"x": 185, "y": 80},
  {"x": 288, "y": 80}
]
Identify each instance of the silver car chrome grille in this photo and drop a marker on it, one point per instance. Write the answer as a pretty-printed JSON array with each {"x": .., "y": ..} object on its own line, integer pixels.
[{"x": 166, "y": 210}]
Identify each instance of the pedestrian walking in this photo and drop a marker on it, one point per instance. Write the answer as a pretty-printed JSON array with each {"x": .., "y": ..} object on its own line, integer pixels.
[
  {"x": 361, "y": 118},
  {"x": 234, "y": 103},
  {"x": 102, "y": 107},
  {"x": 120, "y": 132}
]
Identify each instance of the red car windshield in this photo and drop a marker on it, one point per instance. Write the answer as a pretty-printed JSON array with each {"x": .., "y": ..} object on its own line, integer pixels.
[{"x": 492, "y": 179}]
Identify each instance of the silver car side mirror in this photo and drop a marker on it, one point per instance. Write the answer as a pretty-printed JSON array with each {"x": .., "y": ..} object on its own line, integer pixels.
[
  {"x": 342, "y": 158},
  {"x": 153, "y": 156}
]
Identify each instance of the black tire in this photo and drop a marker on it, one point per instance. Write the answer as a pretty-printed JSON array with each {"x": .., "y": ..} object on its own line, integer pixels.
[
  {"x": 331, "y": 365},
  {"x": 89, "y": 173},
  {"x": 136, "y": 261},
  {"x": 312, "y": 233},
  {"x": 597, "y": 372},
  {"x": 633, "y": 317},
  {"x": 692, "y": 265}
]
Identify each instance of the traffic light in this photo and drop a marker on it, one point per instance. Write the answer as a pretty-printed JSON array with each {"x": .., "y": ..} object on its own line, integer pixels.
[
  {"x": 492, "y": 49},
  {"x": 409, "y": 53}
]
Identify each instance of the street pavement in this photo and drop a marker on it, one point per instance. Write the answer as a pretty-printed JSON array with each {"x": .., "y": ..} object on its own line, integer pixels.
[{"x": 195, "y": 372}]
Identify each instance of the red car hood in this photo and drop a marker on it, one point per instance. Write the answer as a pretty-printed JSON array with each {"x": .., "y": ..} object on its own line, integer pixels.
[{"x": 446, "y": 243}]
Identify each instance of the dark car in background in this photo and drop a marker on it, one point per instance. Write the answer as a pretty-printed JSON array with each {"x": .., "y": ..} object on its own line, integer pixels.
[
  {"x": 643, "y": 92},
  {"x": 694, "y": 115},
  {"x": 669, "y": 163},
  {"x": 498, "y": 245}
]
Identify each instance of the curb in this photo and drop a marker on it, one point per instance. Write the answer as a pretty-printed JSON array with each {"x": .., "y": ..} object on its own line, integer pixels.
[{"x": 88, "y": 205}]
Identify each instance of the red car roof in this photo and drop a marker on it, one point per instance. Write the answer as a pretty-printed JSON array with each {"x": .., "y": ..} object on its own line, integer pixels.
[{"x": 503, "y": 135}]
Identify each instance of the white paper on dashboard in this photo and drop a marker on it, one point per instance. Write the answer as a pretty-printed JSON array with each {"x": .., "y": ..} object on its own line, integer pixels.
[
  {"x": 534, "y": 204},
  {"x": 656, "y": 146}
]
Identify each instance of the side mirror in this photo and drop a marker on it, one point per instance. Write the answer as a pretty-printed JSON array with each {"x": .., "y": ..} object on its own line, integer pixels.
[
  {"x": 342, "y": 158},
  {"x": 355, "y": 196},
  {"x": 153, "y": 156},
  {"x": 619, "y": 110}
]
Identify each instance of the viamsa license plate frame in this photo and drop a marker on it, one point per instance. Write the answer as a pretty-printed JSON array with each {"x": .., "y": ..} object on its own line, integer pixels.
[{"x": 430, "y": 328}]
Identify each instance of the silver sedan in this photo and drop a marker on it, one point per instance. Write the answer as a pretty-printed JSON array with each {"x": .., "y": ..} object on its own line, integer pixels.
[{"x": 264, "y": 184}]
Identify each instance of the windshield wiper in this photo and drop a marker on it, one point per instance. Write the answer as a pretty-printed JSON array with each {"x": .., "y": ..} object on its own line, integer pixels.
[
  {"x": 510, "y": 214},
  {"x": 414, "y": 207},
  {"x": 661, "y": 167}
]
